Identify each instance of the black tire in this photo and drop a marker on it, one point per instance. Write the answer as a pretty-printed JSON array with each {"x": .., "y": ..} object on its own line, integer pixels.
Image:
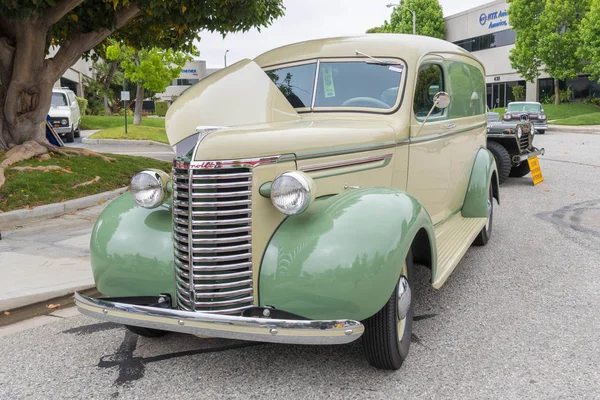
[
  {"x": 70, "y": 137},
  {"x": 78, "y": 132},
  {"x": 520, "y": 170},
  {"x": 502, "y": 160},
  {"x": 486, "y": 232},
  {"x": 542, "y": 131},
  {"x": 146, "y": 332},
  {"x": 380, "y": 340}
]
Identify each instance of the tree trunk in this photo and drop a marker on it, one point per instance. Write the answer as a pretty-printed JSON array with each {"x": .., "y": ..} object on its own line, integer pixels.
[
  {"x": 139, "y": 103},
  {"x": 25, "y": 86},
  {"x": 107, "y": 82},
  {"x": 556, "y": 92}
]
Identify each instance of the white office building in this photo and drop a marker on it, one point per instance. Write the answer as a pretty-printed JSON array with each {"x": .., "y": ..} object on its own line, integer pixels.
[
  {"x": 74, "y": 77},
  {"x": 486, "y": 32},
  {"x": 191, "y": 73}
]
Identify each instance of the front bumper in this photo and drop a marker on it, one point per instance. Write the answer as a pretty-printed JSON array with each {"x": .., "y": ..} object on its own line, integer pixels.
[
  {"x": 526, "y": 156},
  {"x": 292, "y": 331},
  {"x": 540, "y": 126},
  {"x": 62, "y": 130}
]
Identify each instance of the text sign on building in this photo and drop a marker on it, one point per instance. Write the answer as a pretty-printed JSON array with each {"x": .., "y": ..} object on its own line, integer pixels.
[
  {"x": 496, "y": 19},
  {"x": 190, "y": 71}
]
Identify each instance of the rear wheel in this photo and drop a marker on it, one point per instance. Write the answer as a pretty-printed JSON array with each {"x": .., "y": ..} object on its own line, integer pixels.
[
  {"x": 502, "y": 160},
  {"x": 520, "y": 170},
  {"x": 486, "y": 232},
  {"x": 146, "y": 332},
  {"x": 387, "y": 334}
]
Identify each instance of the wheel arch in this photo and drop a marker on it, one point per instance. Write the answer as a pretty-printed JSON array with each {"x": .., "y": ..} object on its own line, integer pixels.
[
  {"x": 343, "y": 257},
  {"x": 483, "y": 174}
]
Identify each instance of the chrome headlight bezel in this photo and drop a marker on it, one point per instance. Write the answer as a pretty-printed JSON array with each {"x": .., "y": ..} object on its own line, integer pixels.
[
  {"x": 519, "y": 132},
  {"x": 303, "y": 188},
  {"x": 64, "y": 122},
  {"x": 159, "y": 184}
]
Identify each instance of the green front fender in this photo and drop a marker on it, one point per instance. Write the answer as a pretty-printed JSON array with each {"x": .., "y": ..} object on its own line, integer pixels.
[
  {"x": 483, "y": 174},
  {"x": 131, "y": 250},
  {"x": 342, "y": 257}
]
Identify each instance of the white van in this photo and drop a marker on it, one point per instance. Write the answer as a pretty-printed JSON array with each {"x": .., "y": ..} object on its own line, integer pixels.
[{"x": 64, "y": 113}]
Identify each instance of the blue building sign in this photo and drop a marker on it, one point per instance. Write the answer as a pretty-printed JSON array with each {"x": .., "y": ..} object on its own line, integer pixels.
[
  {"x": 495, "y": 19},
  {"x": 191, "y": 71}
]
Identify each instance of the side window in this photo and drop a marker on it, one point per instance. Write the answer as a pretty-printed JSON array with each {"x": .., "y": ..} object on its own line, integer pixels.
[
  {"x": 467, "y": 90},
  {"x": 296, "y": 83},
  {"x": 430, "y": 80}
]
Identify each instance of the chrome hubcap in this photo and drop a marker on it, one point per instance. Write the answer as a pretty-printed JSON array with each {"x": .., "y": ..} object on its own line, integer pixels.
[{"x": 404, "y": 298}]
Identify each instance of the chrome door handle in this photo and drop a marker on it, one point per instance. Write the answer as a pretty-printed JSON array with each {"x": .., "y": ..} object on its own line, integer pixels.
[{"x": 451, "y": 126}]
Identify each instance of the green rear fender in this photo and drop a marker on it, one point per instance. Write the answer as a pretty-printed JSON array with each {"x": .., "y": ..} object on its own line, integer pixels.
[
  {"x": 342, "y": 257},
  {"x": 132, "y": 250},
  {"x": 483, "y": 174}
]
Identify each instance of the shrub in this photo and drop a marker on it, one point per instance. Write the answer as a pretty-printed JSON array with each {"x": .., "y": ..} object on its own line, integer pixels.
[
  {"x": 519, "y": 92},
  {"x": 566, "y": 95},
  {"x": 595, "y": 101},
  {"x": 161, "y": 108},
  {"x": 129, "y": 112},
  {"x": 83, "y": 103}
]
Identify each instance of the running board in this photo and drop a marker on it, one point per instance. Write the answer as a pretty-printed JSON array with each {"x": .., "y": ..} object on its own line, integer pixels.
[{"x": 453, "y": 238}]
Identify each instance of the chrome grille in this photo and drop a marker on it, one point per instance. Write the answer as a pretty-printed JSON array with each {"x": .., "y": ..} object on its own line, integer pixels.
[
  {"x": 212, "y": 214},
  {"x": 524, "y": 142}
]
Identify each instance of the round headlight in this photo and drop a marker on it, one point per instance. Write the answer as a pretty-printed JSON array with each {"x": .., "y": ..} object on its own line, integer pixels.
[
  {"x": 292, "y": 192},
  {"x": 519, "y": 132},
  {"x": 150, "y": 188},
  {"x": 64, "y": 121}
]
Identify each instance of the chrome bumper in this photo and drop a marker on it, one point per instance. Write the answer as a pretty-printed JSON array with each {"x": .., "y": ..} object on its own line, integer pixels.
[
  {"x": 523, "y": 157},
  {"x": 540, "y": 126},
  {"x": 223, "y": 326}
]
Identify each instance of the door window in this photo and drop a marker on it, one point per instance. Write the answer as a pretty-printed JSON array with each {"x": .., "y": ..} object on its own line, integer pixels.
[
  {"x": 429, "y": 81},
  {"x": 466, "y": 88}
]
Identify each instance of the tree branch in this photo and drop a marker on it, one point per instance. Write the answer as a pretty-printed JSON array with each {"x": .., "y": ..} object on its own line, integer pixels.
[
  {"x": 58, "y": 11},
  {"x": 72, "y": 50},
  {"x": 6, "y": 28}
]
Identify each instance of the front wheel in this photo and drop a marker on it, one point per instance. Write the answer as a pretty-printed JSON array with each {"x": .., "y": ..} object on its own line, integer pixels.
[
  {"x": 542, "y": 131},
  {"x": 502, "y": 160},
  {"x": 387, "y": 334},
  {"x": 70, "y": 137}
]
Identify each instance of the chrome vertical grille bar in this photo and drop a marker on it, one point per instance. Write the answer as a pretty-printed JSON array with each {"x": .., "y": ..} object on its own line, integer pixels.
[{"x": 212, "y": 238}]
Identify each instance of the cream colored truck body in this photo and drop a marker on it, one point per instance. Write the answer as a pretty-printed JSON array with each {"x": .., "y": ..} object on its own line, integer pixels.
[{"x": 432, "y": 161}]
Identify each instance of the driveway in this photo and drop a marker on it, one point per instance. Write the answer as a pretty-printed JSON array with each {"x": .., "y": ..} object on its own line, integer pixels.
[{"x": 518, "y": 319}]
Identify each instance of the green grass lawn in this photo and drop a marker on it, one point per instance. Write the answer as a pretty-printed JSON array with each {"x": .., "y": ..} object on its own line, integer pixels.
[
  {"x": 104, "y": 122},
  {"x": 133, "y": 132},
  {"x": 24, "y": 189},
  {"x": 568, "y": 113}
]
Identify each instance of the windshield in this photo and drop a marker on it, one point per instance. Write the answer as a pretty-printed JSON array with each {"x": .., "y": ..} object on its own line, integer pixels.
[
  {"x": 59, "y": 99},
  {"x": 340, "y": 84},
  {"x": 515, "y": 107}
]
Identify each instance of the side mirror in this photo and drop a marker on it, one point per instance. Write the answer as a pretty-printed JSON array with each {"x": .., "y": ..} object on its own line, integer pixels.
[{"x": 441, "y": 100}]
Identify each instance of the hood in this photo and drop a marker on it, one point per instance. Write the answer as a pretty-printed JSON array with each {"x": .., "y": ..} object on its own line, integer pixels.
[
  {"x": 298, "y": 137},
  {"x": 241, "y": 94},
  {"x": 59, "y": 112}
]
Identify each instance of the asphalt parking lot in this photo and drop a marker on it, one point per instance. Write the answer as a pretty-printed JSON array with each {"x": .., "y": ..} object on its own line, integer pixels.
[{"x": 518, "y": 318}]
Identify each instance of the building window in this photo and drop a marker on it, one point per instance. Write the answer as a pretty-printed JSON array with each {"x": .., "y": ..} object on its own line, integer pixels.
[
  {"x": 489, "y": 41},
  {"x": 184, "y": 82}
]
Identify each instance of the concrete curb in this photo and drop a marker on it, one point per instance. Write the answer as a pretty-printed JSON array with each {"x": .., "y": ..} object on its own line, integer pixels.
[
  {"x": 589, "y": 129},
  {"x": 126, "y": 142},
  {"x": 57, "y": 209}
]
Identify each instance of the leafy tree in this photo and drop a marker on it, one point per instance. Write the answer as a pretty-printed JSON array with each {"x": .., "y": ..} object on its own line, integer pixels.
[
  {"x": 29, "y": 28},
  {"x": 150, "y": 69},
  {"x": 589, "y": 33},
  {"x": 429, "y": 17},
  {"x": 547, "y": 35}
]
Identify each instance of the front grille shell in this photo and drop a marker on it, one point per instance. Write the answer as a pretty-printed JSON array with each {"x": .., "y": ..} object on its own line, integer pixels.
[{"x": 212, "y": 214}]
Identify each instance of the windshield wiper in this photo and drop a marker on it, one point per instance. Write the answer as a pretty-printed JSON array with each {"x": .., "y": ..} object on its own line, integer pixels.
[{"x": 377, "y": 60}]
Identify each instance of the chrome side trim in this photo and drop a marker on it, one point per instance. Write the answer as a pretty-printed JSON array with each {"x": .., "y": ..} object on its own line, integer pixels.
[
  {"x": 317, "y": 332},
  {"x": 306, "y": 155},
  {"x": 445, "y": 135},
  {"x": 345, "y": 163},
  {"x": 245, "y": 163}
]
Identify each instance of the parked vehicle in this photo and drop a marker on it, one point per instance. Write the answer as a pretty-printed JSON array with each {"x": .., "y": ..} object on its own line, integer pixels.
[
  {"x": 64, "y": 114},
  {"x": 511, "y": 143},
  {"x": 492, "y": 116},
  {"x": 535, "y": 114},
  {"x": 312, "y": 181}
]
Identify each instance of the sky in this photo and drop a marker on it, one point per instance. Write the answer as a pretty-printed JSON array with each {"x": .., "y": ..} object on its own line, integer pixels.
[{"x": 305, "y": 20}]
